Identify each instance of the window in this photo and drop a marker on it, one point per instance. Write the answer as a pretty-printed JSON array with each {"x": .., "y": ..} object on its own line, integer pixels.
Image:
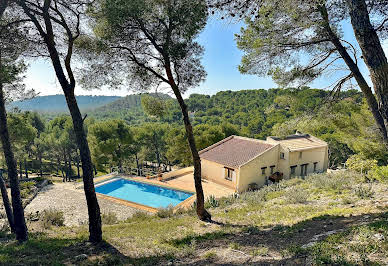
[
  {"x": 303, "y": 169},
  {"x": 282, "y": 155},
  {"x": 263, "y": 170},
  {"x": 300, "y": 155},
  {"x": 229, "y": 174},
  {"x": 272, "y": 168},
  {"x": 315, "y": 166},
  {"x": 293, "y": 169}
]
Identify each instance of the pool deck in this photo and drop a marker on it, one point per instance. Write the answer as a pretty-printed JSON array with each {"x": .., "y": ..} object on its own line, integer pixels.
[{"x": 184, "y": 182}]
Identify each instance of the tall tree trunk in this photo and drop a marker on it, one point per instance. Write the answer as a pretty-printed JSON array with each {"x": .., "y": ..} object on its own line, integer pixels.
[
  {"x": 40, "y": 165},
  {"x": 18, "y": 211},
  {"x": 65, "y": 166},
  {"x": 68, "y": 84},
  {"x": 7, "y": 205},
  {"x": 78, "y": 171},
  {"x": 58, "y": 165},
  {"x": 25, "y": 168},
  {"x": 70, "y": 169},
  {"x": 137, "y": 165},
  {"x": 370, "y": 98},
  {"x": 20, "y": 169},
  {"x": 372, "y": 51},
  {"x": 201, "y": 211},
  {"x": 87, "y": 168}
]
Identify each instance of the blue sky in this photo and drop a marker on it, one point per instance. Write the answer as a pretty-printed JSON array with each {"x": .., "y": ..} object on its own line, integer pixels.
[{"x": 220, "y": 60}]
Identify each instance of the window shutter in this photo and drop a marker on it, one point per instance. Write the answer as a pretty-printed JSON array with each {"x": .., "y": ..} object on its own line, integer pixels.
[{"x": 234, "y": 177}]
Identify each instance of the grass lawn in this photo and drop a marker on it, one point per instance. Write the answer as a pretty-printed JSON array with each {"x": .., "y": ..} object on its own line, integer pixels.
[{"x": 337, "y": 219}]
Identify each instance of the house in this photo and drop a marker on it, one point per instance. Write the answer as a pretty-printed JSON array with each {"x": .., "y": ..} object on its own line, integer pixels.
[{"x": 236, "y": 162}]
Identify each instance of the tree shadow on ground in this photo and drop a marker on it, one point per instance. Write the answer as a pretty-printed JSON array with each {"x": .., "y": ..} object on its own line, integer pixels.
[
  {"x": 277, "y": 239},
  {"x": 43, "y": 249}
]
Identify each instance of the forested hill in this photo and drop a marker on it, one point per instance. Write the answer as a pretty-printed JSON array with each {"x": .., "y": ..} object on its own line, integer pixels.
[
  {"x": 255, "y": 111},
  {"x": 57, "y": 103},
  {"x": 128, "y": 108}
]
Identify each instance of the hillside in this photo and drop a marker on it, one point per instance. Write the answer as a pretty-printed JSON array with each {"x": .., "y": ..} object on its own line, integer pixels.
[
  {"x": 128, "y": 108},
  {"x": 325, "y": 219},
  {"x": 57, "y": 103}
]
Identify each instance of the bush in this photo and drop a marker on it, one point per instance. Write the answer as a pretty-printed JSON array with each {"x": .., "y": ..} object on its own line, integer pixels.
[
  {"x": 165, "y": 212},
  {"x": 212, "y": 202},
  {"x": 139, "y": 215},
  {"x": 364, "y": 191},
  {"x": 335, "y": 181},
  {"x": 359, "y": 164},
  {"x": 52, "y": 217},
  {"x": 379, "y": 173},
  {"x": 28, "y": 185},
  {"x": 109, "y": 218},
  {"x": 26, "y": 188},
  {"x": 296, "y": 195}
]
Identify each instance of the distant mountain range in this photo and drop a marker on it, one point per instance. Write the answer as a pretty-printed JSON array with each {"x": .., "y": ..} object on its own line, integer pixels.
[{"x": 57, "y": 103}]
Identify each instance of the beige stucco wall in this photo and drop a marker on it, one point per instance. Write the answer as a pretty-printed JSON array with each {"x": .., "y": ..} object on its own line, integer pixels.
[
  {"x": 216, "y": 173},
  {"x": 319, "y": 155},
  {"x": 251, "y": 172}
]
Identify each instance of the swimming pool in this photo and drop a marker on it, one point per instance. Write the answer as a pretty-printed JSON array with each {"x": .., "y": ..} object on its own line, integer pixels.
[{"x": 142, "y": 193}]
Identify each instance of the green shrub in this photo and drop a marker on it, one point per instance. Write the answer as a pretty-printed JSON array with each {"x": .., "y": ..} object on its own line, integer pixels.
[
  {"x": 212, "y": 202},
  {"x": 24, "y": 193},
  {"x": 296, "y": 195},
  {"x": 364, "y": 191},
  {"x": 52, "y": 217},
  {"x": 235, "y": 246},
  {"x": 140, "y": 215},
  {"x": 379, "y": 173},
  {"x": 109, "y": 218},
  {"x": 210, "y": 255},
  {"x": 165, "y": 212},
  {"x": 28, "y": 184},
  {"x": 260, "y": 251},
  {"x": 334, "y": 181},
  {"x": 359, "y": 164}
]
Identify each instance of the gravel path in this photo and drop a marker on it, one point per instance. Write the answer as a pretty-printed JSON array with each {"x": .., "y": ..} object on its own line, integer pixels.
[{"x": 64, "y": 197}]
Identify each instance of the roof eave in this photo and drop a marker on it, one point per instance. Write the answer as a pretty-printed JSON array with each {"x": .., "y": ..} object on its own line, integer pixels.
[{"x": 307, "y": 148}]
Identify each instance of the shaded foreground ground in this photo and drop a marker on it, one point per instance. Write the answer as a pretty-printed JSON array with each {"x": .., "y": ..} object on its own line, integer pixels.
[{"x": 326, "y": 219}]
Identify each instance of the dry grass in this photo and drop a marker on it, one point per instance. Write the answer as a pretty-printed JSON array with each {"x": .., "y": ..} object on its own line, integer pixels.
[{"x": 260, "y": 227}]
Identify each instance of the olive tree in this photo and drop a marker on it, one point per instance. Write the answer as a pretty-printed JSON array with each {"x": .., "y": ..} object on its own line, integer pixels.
[{"x": 150, "y": 44}]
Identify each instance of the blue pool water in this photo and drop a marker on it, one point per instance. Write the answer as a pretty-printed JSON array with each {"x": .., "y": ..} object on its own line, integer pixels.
[{"x": 146, "y": 194}]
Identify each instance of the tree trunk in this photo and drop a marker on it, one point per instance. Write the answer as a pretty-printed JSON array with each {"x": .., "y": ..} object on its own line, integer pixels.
[
  {"x": 137, "y": 165},
  {"x": 370, "y": 98},
  {"x": 18, "y": 211},
  {"x": 95, "y": 169},
  {"x": 58, "y": 165},
  {"x": 78, "y": 172},
  {"x": 372, "y": 51},
  {"x": 20, "y": 169},
  {"x": 95, "y": 232},
  {"x": 40, "y": 166},
  {"x": 65, "y": 167},
  {"x": 26, "y": 168},
  {"x": 87, "y": 168},
  {"x": 7, "y": 205},
  {"x": 70, "y": 169},
  {"x": 201, "y": 211}
]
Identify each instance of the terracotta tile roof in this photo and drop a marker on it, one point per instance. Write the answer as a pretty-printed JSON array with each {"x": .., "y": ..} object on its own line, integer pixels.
[{"x": 234, "y": 151}]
